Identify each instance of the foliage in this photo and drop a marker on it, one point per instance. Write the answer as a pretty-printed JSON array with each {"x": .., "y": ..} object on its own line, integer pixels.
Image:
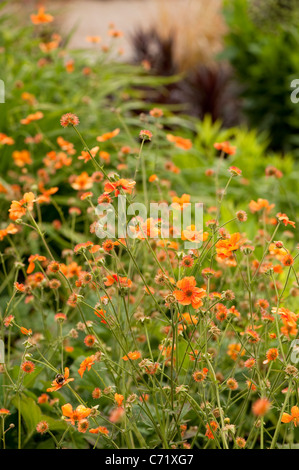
[{"x": 265, "y": 61}]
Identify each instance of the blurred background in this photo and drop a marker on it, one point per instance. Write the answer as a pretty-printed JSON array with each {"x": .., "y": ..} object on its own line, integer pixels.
[{"x": 233, "y": 60}]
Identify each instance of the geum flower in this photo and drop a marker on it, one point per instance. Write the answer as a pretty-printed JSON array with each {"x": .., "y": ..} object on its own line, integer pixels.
[
  {"x": 60, "y": 381},
  {"x": 179, "y": 142},
  {"x": 188, "y": 293},
  {"x": 284, "y": 219},
  {"x": 225, "y": 248},
  {"x": 41, "y": 17},
  {"x": 294, "y": 416},
  {"x": 133, "y": 355},
  {"x": 126, "y": 185},
  {"x": 86, "y": 364},
  {"x": 81, "y": 412},
  {"x": 122, "y": 281},
  {"x": 99, "y": 430},
  {"x": 32, "y": 260},
  {"x": 108, "y": 135},
  {"x": 18, "y": 208}
]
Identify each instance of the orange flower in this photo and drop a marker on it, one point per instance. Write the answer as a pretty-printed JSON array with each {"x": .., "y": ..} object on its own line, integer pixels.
[
  {"x": 32, "y": 117},
  {"x": 189, "y": 319},
  {"x": 122, "y": 281},
  {"x": 225, "y": 248},
  {"x": 5, "y": 140},
  {"x": 132, "y": 355},
  {"x": 17, "y": 209},
  {"x": 272, "y": 355},
  {"x": 101, "y": 314},
  {"x": 108, "y": 135},
  {"x": 294, "y": 416},
  {"x": 285, "y": 220},
  {"x": 179, "y": 142},
  {"x": 200, "y": 375},
  {"x": 189, "y": 293},
  {"x": 210, "y": 429},
  {"x": 118, "y": 399},
  {"x": 41, "y": 17},
  {"x": 24, "y": 331},
  {"x": 126, "y": 185},
  {"x": 82, "y": 181},
  {"x": 69, "y": 119},
  {"x": 100, "y": 430},
  {"x": 11, "y": 229},
  {"x": 86, "y": 364},
  {"x": 261, "y": 406},
  {"x": 21, "y": 157},
  {"x": 180, "y": 201},
  {"x": 234, "y": 351},
  {"x": 32, "y": 260},
  {"x": 260, "y": 204},
  {"x": 81, "y": 412},
  {"x": 225, "y": 147},
  {"x": 46, "y": 193},
  {"x": 60, "y": 381}
]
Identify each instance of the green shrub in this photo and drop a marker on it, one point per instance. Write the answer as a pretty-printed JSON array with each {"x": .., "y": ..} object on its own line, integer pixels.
[{"x": 264, "y": 55}]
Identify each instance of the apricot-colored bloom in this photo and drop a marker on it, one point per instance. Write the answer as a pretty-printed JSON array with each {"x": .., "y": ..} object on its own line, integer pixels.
[
  {"x": 210, "y": 429},
  {"x": 81, "y": 412},
  {"x": 189, "y": 293},
  {"x": 18, "y": 208},
  {"x": 69, "y": 119},
  {"x": 60, "y": 381},
  {"x": 28, "y": 367},
  {"x": 32, "y": 117},
  {"x": 225, "y": 147},
  {"x": 285, "y": 220},
  {"x": 260, "y": 204},
  {"x": 86, "y": 156},
  {"x": 4, "y": 412},
  {"x": 122, "y": 281},
  {"x": 108, "y": 135},
  {"x": 118, "y": 398},
  {"x": 261, "y": 406},
  {"x": 100, "y": 430},
  {"x": 225, "y": 248},
  {"x": 126, "y": 185},
  {"x": 179, "y": 142},
  {"x": 82, "y": 181},
  {"x": 293, "y": 417},
  {"x": 5, "y": 140},
  {"x": 272, "y": 355},
  {"x": 116, "y": 414},
  {"x": 86, "y": 364},
  {"x": 32, "y": 260},
  {"x": 41, "y": 17},
  {"x": 145, "y": 134},
  {"x": 180, "y": 201},
  {"x": 26, "y": 332},
  {"x": 42, "y": 427},
  {"x": 21, "y": 158},
  {"x": 11, "y": 229},
  {"x": 200, "y": 375},
  {"x": 234, "y": 351},
  {"x": 189, "y": 319},
  {"x": 132, "y": 355},
  {"x": 101, "y": 314}
]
